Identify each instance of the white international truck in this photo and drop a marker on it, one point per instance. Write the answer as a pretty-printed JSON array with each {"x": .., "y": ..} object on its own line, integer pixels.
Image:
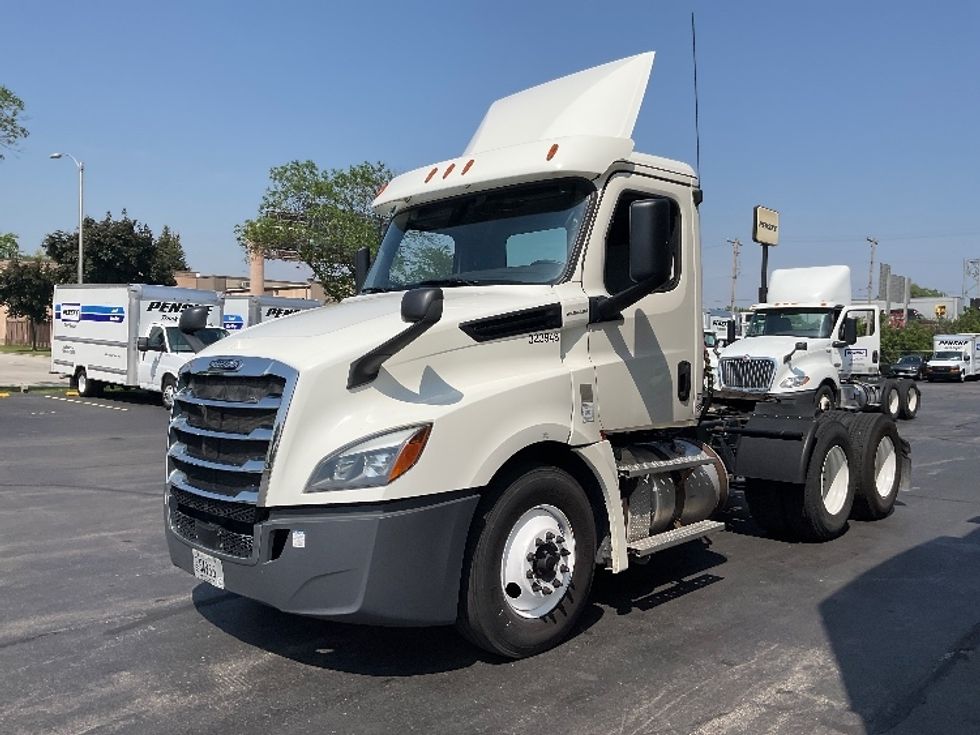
[
  {"x": 954, "y": 357},
  {"x": 809, "y": 342},
  {"x": 241, "y": 311},
  {"x": 514, "y": 398},
  {"x": 128, "y": 335}
]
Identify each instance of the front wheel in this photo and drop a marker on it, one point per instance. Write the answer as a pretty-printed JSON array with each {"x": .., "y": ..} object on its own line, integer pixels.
[
  {"x": 825, "y": 399},
  {"x": 168, "y": 389},
  {"x": 529, "y": 564}
]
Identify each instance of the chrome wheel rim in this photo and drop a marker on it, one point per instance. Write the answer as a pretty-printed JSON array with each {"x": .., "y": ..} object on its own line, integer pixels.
[
  {"x": 835, "y": 478},
  {"x": 886, "y": 465},
  {"x": 893, "y": 402},
  {"x": 538, "y": 561},
  {"x": 913, "y": 399}
]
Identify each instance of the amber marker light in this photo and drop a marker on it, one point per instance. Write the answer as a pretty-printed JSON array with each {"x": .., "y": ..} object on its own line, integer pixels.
[
  {"x": 469, "y": 164},
  {"x": 410, "y": 453},
  {"x": 433, "y": 172},
  {"x": 449, "y": 170},
  {"x": 552, "y": 151}
]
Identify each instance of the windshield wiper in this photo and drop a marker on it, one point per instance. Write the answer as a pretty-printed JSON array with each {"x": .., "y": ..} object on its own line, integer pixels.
[
  {"x": 378, "y": 289},
  {"x": 447, "y": 282}
]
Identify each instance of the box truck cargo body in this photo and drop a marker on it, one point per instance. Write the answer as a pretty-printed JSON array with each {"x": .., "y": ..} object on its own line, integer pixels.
[
  {"x": 243, "y": 310},
  {"x": 96, "y": 333},
  {"x": 954, "y": 357}
]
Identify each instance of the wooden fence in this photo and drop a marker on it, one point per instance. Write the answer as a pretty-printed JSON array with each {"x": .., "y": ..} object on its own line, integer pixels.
[{"x": 19, "y": 333}]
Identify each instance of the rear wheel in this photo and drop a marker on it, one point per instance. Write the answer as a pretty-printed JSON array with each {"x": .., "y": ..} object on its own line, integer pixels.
[
  {"x": 891, "y": 399},
  {"x": 820, "y": 510},
  {"x": 86, "y": 386},
  {"x": 911, "y": 398},
  {"x": 877, "y": 462},
  {"x": 529, "y": 564}
]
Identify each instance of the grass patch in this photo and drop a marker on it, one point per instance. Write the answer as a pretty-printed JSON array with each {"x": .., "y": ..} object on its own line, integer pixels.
[{"x": 22, "y": 350}]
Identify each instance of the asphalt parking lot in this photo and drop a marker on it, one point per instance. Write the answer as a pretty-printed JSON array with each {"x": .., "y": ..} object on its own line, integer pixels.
[{"x": 874, "y": 632}]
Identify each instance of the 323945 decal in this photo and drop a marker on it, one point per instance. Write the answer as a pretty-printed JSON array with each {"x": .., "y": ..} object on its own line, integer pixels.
[{"x": 543, "y": 338}]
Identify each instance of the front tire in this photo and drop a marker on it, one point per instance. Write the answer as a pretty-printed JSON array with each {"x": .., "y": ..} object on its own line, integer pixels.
[
  {"x": 529, "y": 563},
  {"x": 168, "y": 389},
  {"x": 825, "y": 399}
]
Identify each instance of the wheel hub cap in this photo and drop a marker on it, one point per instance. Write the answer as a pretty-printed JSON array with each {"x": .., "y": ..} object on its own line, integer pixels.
[
  {"x": 834, "y": 480},
  {"x": 886, "y": 463},
  {"x": 538, "y": 561}
]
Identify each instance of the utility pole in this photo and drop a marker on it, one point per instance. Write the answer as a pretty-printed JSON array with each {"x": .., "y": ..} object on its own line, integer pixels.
[
  {"x": 871, "y": 264},
  {"x": 736, "y": 244}
]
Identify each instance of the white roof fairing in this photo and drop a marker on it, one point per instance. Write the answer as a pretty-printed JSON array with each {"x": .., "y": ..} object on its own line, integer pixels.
[{"x": 577, "y": 125}]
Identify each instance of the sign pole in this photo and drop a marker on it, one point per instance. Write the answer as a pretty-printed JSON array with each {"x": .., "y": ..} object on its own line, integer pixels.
[{"x": 764, "y": 287}]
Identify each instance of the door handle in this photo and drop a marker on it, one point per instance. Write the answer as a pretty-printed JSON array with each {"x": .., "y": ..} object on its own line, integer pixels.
[{"x": 683, "y": 380}]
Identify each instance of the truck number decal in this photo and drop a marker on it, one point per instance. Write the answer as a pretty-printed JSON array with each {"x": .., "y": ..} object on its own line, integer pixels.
[{"x": 543, "y": 338}]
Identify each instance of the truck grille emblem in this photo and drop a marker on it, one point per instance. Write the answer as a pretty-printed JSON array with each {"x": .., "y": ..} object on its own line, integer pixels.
[{"x": 225, "y": 365}]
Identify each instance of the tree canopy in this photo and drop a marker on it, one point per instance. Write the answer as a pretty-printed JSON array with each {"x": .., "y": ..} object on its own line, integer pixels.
[
  {"x": 11, "y": 131},
  {"x": 26, "y": 288},
  {"x": 323, "y": 216},
  {"x": 117, "y": 251},
  {"x": 916, "y": 291},
  {"x": 8, "y": 246}
]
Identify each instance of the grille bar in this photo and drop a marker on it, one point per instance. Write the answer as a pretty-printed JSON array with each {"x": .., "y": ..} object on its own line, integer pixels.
[
  {"x": 182, "y": 424},
  {"x": 261, "y": 403},
  {"x": 179, "y": 453},
  {"x": 752, "y": 374}
]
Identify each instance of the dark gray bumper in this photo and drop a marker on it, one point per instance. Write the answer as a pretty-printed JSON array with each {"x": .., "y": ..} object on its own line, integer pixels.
[{"x": 388, "y": 564}]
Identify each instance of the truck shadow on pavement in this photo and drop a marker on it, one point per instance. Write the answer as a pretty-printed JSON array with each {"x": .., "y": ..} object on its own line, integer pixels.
[
  {"x": 905, "y": 636},
  {"x": 357, "y": 649}
]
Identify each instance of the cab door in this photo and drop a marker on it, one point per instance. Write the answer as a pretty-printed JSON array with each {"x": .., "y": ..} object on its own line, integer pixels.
[
  {"x": 150, "y": 359},
  {"x": 861, "y": 358},
  {"x": 648, "y": 363}
]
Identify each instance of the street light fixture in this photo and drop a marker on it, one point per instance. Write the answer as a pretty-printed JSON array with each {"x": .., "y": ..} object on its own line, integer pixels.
[{"x": 81, "y": 207}]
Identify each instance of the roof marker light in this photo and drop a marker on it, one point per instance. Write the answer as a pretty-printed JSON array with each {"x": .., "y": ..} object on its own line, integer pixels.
[
  {"x": 449, "y": 170},
  {"x": 433, "y": 172},
  {"x": 466, "y": 168},
  {"x": 552, "y": 151}
]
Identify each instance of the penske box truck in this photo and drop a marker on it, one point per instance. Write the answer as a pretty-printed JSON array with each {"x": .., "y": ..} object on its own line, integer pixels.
[
  {"x": 514, "y": 397},
  {"x": 128, "y": 335},
  {"x": 244, "y": 310},
  {"x": 954, "y": 357}
]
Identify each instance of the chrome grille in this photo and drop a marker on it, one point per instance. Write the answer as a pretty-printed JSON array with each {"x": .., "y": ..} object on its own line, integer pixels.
[
  {"x": 750, "y": 374},
  {"x": 222, "y": 444}
]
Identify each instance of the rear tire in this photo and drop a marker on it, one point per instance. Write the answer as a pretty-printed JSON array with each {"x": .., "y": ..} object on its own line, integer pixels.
[
  {"x": 87, "y": 387},
  {"x": 821, "y": 510},
  {"x": 911, "y": 400},
  {"x": 878, "y": 466},
  {"x": 891, "y": 399},
  {"x": 500, "y": 609}
]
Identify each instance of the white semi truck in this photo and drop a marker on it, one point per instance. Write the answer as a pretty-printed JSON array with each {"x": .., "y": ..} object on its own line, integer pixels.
[
  {"x": 244, "y": 310},
  {"x": 954, "y": 357},
  {"x": 809, "y": 342},
  {"x": 128, "y": 335},
  {"x": 514, "y": 398}
]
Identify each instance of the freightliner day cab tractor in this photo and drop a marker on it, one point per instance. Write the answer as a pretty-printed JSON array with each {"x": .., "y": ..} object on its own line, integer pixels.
[
  {"x": 809, "y": 342},
  {"x": 513, "y": 399}
]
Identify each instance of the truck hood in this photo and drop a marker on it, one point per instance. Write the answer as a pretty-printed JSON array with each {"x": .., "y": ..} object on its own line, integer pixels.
[
  {"x": 347, "y": 330},
  {"x": 774, "y": 346}
]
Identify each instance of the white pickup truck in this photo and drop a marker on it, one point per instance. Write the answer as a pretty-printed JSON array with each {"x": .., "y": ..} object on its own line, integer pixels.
[
  {"x": 514, "y": 397},
  {"x": 809, "y": 341}
]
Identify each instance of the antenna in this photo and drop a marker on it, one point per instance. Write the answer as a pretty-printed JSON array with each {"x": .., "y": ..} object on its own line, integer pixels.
[{"x": 697, "y": 122}]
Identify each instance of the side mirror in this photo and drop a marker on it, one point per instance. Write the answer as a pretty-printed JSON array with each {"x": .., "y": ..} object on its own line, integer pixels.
[
  {"x": 651, "y": 225},
  {"x": 362, "y": 264},
  {"x": 422, "y": 305},
  {"x": 192, "y": 319},
  {"x": 142, "y": 343},
  {"x": 801, "y": 346},
  {"x": 850, "y": 330},
  {"x": 730, "y": 332}
]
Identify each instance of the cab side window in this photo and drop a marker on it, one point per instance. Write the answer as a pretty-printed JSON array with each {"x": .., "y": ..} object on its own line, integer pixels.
[
  {"x": 865, "y": 319},
  {"x": 616, "y": 272},
  {"x": 155, "y": 339}
]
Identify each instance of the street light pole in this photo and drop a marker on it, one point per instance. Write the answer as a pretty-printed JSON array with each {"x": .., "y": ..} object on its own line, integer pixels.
[
  {"x": 871, "y": 265},
  {"x": 81, "y": 208}
]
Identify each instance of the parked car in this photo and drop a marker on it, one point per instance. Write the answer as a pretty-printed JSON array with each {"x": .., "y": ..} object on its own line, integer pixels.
[{"x": 908, "y": 366}]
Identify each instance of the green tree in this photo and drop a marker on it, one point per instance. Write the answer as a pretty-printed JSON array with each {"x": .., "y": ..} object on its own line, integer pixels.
[
  {"x": 8, "y": 246},
  {"x": 117, "y": 251},
  {"x": 915, "y": 338},
  {"x": 11, "y": 131},
  {"x": 968, "y": 321},
  {"x": 322, "y": 216},
  {"x": 917, "y": 292},
  {"x": 26, "y": 288}
]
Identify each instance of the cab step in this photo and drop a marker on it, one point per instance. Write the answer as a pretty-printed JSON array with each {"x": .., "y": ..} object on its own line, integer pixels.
[
  {"x": 677, "y": 536},
  {"x": 657, "y": 466}
]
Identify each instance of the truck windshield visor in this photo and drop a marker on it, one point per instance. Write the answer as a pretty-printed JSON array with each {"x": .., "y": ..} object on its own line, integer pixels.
[
  {"x": 521, "y": 234},
  {"x": 792, "y": 322}
]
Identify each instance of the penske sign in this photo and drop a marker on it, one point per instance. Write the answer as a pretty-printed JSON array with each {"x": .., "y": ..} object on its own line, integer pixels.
[{"x": 765, "y": 226}]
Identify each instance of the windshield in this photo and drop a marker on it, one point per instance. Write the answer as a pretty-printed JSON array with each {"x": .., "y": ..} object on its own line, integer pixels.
[
  {"x": 948, "y": 356},
  {"x": 792, "y": 322},
  {"x": 909, "y": 360},
  {"x": 521, "y": 234},
  {"x": 178, "y": 341}
]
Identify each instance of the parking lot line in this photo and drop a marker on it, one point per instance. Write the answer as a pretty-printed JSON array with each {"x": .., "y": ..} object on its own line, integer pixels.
[{"x": 86, "y": 403}]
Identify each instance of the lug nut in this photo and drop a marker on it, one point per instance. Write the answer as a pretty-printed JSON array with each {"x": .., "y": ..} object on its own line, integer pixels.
[
  {"x": 560, "y": 540},
  {"x": 546, "y": 590},
  {"x": 530, "y": 557},
  {"x": 556, "y": 583},
  {"x": 538, "y": 542},
  {"x": 536, "y": 587},
  {"x": 563, "y": 569},
  {"x": 565, "y": 552},
  {"x": 529, "y": 574},
  {"x": 549, "y": 536}
]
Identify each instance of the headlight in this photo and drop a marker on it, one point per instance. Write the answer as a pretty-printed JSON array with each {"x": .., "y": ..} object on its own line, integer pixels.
[
  {"x": 372, "y": 462},
  {"x": 794, "y": 381}
]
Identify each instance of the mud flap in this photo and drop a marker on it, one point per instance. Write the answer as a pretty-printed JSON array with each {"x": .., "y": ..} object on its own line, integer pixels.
[{"x": 775, "y": 448}]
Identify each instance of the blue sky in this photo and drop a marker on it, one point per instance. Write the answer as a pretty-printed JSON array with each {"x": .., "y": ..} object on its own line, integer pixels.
[{"x": 852, "y": 119}]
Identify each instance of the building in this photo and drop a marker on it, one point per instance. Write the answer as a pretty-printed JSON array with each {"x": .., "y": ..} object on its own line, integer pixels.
[{"x": 241, "y": 285}]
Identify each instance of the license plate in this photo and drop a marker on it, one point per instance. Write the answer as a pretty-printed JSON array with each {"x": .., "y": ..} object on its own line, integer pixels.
[{"x": 208, "y": 569}]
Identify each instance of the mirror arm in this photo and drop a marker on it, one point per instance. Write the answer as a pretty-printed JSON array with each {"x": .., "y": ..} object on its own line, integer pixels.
[{"x": 610, "y": 308}]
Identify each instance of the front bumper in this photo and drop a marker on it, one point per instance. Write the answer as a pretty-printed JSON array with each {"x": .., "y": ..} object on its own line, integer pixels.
[{"x": 394, "y": 563}]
